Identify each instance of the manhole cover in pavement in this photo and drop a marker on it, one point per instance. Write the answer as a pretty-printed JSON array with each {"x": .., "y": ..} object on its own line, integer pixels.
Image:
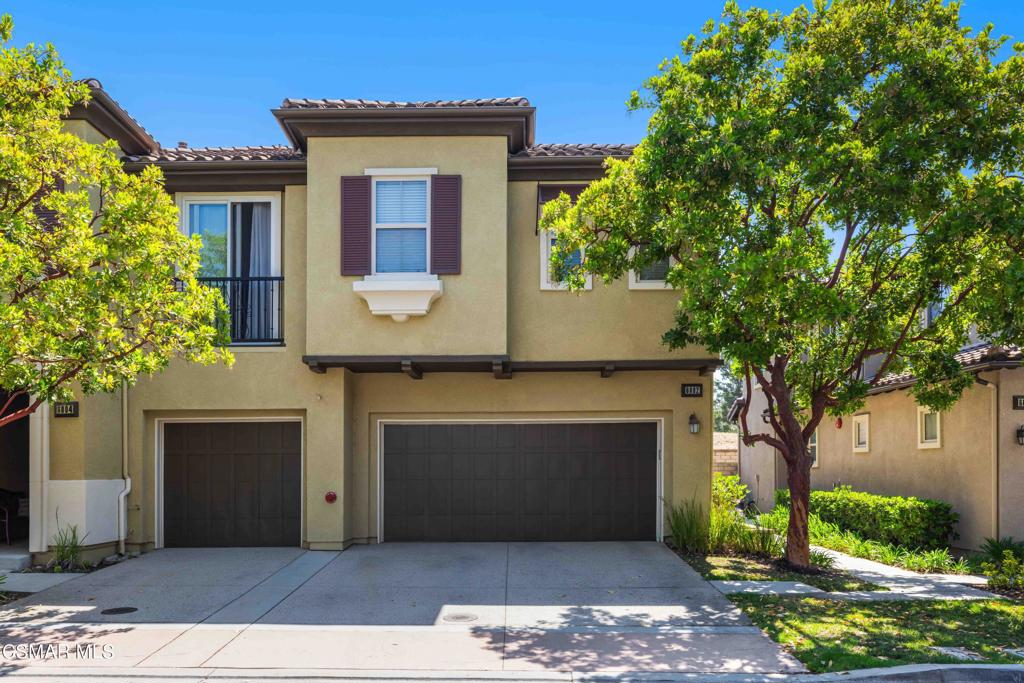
[
  {"x": 459, "y": 617},
  {"x": 120, "y": 610}
]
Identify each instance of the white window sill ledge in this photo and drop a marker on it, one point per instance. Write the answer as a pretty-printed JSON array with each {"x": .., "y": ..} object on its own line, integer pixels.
[{"x": 400, "y": 299}]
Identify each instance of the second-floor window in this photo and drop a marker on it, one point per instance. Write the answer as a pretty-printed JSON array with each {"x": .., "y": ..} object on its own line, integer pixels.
[
  {"x": 401, "y": 223},
  {"x": 241, "y": 256},
  {"x": 653, "y": 275}
]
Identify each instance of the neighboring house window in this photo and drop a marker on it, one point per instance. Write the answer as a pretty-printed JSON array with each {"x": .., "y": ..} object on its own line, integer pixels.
[
  {"x": 861, "y": 433},
  {"x": 401, "y": 210},
  {"x": 651, "y": 276},
  {"x": 548, "y": 240},
  {"x": 929, "y": 428},
  {"x": 812, "y": 448},
  {"x": 241, "y": 256}
]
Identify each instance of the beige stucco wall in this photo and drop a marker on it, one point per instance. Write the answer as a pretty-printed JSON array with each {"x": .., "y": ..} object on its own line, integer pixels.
[
  {"x": 478, "y": 396},
  {"x": 471, "y": 316},
  {"x": 1011, "y": 456},
  {"x": 608, "y": 322},
  {"x": 758, "y": 466},
  {"x": 89, "y": 446},
  {"x": 262, "y": 383},
  {"x": 959, "y": 472}
]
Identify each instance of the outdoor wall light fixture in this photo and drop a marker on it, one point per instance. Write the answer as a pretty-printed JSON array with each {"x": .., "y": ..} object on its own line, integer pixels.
[
  {"x": 695, "y": 424},
  {"x": 1020, "y": 435}
]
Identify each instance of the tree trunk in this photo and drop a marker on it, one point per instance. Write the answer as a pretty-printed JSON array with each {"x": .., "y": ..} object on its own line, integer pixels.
[{"x": 798, "y": 543}]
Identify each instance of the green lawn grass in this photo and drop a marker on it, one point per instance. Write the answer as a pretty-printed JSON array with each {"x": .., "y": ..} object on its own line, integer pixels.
[
  {"x": 749, "y": 568},
  {"x": 833, "y": 635}
]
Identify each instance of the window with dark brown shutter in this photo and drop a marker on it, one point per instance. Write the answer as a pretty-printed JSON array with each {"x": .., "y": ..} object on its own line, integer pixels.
[
  {"x": 446, "y": 224},
  {"x": 355, "y": 225}
]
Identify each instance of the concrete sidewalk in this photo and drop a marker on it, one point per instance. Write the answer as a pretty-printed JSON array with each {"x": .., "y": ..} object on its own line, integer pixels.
[{"x": 488, "y": 607}]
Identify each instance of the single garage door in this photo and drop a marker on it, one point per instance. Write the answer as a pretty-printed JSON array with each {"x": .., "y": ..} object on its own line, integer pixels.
[
  {"x": 520, "y": 482},
  {"x": 232, "y": 484}
]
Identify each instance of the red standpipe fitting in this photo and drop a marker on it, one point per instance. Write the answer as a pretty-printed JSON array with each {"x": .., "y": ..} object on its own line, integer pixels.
[{"x": 330, "y": 496}]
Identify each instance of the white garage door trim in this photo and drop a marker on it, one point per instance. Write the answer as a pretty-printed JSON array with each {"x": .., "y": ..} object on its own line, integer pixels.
[{"x": 658, "y": 421}]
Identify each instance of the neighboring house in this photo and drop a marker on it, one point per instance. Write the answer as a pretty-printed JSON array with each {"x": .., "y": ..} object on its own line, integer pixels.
[
  {"x": 406, "y": 368},
  {"x": 726, "y": 453},
  {"x": 971, "y": 456}
]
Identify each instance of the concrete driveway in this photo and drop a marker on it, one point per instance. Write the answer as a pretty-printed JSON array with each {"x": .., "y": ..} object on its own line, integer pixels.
[{"x": 440, "y": 607}]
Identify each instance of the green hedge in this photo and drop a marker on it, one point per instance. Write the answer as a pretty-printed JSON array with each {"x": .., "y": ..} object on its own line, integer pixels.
[{"x": 909, "y": 522}]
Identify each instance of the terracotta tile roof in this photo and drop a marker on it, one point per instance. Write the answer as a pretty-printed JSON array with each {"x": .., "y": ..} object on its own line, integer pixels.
[
  {"x": 101, "y": 97},
  {"x": 255, "y": 153},
  {"x": 726, "y": 441},
  {"x": 971, "y": 356},
  {"x": 574, "y": 150},
  {"x": 305, "y": 103}
]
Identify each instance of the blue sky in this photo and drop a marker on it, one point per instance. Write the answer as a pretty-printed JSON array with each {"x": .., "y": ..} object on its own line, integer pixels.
[{"x": 208, "y": 72}]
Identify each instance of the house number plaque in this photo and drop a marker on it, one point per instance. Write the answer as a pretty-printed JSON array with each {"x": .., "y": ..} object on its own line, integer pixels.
[
  {"x": 1018, "y": 402},
  {"x": 66, "y": 409},
  {"x": 692, "y": 391}
]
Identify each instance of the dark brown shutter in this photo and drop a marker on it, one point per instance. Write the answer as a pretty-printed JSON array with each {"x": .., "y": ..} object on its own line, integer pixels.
[
  {"x": 545, "y": 193},
  {"x": 355, "y": 225},
  {"x": 48, "y": 217},
  {"x": 446, "y": 224}
]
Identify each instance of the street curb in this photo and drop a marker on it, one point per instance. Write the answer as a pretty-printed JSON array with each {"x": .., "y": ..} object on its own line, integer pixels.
[{"x": 914, "y": 673}]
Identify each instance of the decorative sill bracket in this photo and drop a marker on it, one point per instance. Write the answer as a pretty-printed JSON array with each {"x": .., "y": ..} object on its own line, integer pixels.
[{"x": 399, "y": 298}]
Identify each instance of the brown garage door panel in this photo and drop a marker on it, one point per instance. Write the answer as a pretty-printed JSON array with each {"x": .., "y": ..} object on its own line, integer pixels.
[
  {"x": 531, "y": 481},
  {"x": 232, "y": 484}
]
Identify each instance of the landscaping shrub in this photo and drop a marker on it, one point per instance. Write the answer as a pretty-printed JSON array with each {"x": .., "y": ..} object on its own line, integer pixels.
[
  {"x": 897, "y": 520},
  {"x": 725, "y": 528},
  {"x": 829, "y": 535},
  {"x": 688, "y": 527},
  {"x": 1007, "y": 574},
  {"x": 995, "y": 548}
]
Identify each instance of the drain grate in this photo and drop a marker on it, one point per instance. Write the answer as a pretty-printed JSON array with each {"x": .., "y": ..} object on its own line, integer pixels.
[
  {"x": 120, "y": 610},
  {"x": 459, "y": 618}
]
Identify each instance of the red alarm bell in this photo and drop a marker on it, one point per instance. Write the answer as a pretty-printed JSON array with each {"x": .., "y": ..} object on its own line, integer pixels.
[
  {"x": 839, "y": 423},
  {"x": 330, "y": 496}
]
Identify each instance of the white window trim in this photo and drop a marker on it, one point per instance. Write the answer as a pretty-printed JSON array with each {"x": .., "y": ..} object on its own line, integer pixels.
[
  {"x": 921, "y": 443},
  {"x": 865, "y": 419},
  {"x": 374, "y": 275},
  {"x": 636, "y": 283},
  {"x": 186, "y": 199},
  {"x": 817, "y": 449},
  {"x": 545, "y": 268}
]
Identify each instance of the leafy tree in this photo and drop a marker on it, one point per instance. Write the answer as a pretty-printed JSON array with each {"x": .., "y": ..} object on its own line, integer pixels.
[
  {"x": 728, "y": 388},
  {"x": 97, "y": 285},
  {"x": 822, "y": 179}
]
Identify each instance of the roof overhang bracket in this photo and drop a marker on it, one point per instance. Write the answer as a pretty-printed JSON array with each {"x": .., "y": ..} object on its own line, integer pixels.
[
  {"x": 501, "y": 369},
  {"x": 411, "y": 369},
  {"x": 608, "y": 370}
]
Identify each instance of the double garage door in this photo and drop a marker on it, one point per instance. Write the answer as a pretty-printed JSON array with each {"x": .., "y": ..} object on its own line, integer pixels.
[
  {"x": 239, "y": 483},
  {"x": 520, "y": 482}
]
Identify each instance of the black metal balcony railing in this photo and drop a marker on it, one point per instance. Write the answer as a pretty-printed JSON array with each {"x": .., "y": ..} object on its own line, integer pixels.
[{"x": 254, "y": 304}]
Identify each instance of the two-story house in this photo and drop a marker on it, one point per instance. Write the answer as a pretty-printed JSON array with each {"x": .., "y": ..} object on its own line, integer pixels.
[{"x": 406, "y": 367}]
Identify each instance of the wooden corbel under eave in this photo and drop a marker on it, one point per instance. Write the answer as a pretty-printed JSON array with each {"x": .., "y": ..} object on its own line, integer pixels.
[
  {"x": 411, "y": 369},
  {"x": 500, "y": 368}
]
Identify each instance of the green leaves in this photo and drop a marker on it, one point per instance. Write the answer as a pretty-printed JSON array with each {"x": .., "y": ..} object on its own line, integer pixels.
[
  {"x": 97, "y": 285},
  {"x": 821, "y": 178}
]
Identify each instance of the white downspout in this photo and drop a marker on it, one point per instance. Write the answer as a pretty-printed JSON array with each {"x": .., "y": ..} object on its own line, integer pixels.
[{"x": 122, "y": 497}]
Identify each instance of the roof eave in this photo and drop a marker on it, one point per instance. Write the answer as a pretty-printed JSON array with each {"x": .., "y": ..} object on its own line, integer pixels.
[
  {"x": 558, "y": 168},
  {"x": 109, "y": 118},
  {"x": 515, "y": 123},
  {"x": 204, "y": 176},
  {"x": 980, "y": 367}
]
